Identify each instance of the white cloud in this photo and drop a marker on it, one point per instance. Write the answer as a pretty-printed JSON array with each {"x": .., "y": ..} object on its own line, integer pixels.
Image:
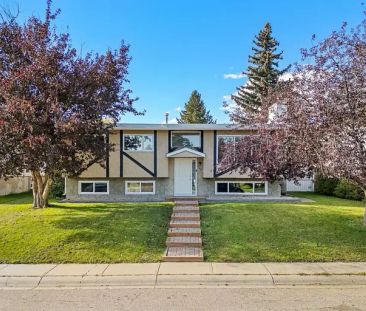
[
  {"x": 286, "y": 76},
  {"x": 178, "y": 109},
  {"x": 173, "y": 121},
  {"x": 230, "y": 104},
  {"x": 234, "y": 75}
]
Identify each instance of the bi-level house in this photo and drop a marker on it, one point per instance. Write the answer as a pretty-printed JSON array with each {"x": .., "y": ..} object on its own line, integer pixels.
[{"x": 155, "y": 162}]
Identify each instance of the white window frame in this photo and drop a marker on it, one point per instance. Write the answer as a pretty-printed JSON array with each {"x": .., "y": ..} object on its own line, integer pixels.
[
  {"x": 93, "y": 182},
  {"x": 241, "y": 181},
  {"x": 141, "y": 182},
  {"x": 128, "y": 150},
  {"x": 185, "y": 132}
]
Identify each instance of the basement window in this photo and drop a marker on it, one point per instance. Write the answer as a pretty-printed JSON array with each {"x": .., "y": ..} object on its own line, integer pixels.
[
  {"x": 93, "y": 187},
  {"x": 140, "y": 187},
  {"x": 241, "y": 187}
]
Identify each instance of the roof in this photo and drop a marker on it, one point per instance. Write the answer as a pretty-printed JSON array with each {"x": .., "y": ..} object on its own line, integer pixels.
[
  {"x": 190, "y": 151},
  {"x": 181, "y": 127}
]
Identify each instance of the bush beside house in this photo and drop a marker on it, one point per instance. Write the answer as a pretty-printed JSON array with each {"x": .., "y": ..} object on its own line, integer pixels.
[{"x": 339, "y": 188}]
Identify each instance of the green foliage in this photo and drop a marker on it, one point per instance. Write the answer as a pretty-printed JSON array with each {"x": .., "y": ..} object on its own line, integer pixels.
[
  {"x": 325, "y": 185},
  {"x": 262, "y": 73},
  {"x": 339, "y": 188},
  {"x": 348, "y": 190},
  {"x": 195, "y": 111},
  {"x": 81, "y": 232},
  {"x": 58, "y": 188},
  {"x": 328, "y": 229}
]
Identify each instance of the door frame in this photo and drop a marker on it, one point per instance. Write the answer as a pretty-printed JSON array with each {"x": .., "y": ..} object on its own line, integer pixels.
[{"x": 186, "y": 195}]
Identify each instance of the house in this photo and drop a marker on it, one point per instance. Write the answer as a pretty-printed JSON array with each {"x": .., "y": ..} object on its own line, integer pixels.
[
  {"x": 155, "y": 162},
  {"x": 16, "y": 184}
]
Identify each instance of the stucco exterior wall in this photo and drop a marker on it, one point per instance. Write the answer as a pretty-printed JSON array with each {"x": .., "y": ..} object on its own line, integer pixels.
[
  {"x": 208, "y": 149},
  {"x": 164, "y": 187},
  {"x": 15, "y": 185},
  {"x": 163, "y": 148},
  {"x": 114, "y": 156}
]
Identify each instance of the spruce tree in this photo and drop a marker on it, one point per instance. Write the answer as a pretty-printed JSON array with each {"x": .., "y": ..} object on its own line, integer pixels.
[
  {"x": 262, "y": 73},
  {"x": 195, "y": 111}
]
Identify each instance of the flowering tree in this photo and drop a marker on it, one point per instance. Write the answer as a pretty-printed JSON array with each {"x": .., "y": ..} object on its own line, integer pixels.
[
  {"x": 324, "y": 126},
  {"x": 54, "y": 103}
]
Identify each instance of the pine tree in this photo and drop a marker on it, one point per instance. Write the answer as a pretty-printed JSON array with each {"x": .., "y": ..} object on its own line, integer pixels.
[
  {"x": 262, "y": 73},
  {"x": 195, "y": 111}
]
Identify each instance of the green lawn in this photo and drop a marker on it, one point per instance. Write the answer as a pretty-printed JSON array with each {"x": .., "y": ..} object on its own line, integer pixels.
[
  {"x": 330, "y": 229},
  {"x": 81, "y": 233}
]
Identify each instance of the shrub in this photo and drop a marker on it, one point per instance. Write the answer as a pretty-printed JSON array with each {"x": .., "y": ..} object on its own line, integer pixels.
[
  {"x": 325, "y": 185},
  {"x": 58, "y": 188},
  {"x": 348, "y": 190}
]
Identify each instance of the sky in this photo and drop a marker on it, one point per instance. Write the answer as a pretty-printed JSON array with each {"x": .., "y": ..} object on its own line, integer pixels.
[{"x": 178, "y": 46}]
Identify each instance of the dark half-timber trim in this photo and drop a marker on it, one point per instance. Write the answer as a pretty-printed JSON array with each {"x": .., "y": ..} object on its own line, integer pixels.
[
  {"x": 155, "y": 153},
  {"x": 169, "y": 141},
  {"x": 107, "y": 156},
  {"x": 121, "y": 153},
  {"x": 214, "y": 154},
  {"x": 201, "y": 149},
  {"x": 138, "y": 164}
]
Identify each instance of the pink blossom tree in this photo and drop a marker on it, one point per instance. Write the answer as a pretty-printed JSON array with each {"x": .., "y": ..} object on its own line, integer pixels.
[
  {"x": 54, "y": 103},
  {"x": 323, "y": 128}
]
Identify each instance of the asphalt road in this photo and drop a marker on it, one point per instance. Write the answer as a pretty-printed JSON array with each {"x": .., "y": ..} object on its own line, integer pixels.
[{"x": 292, "y": 298}]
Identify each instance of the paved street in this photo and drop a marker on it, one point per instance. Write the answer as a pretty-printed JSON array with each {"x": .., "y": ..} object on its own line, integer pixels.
[{"x": 291, "y": 298}]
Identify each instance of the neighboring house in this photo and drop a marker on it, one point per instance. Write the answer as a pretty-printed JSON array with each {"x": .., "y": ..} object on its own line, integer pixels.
[
  {"x": 15, "y": 184},
  {"x": 154, "y": 162},
  {"x": 302, "y": 185}
]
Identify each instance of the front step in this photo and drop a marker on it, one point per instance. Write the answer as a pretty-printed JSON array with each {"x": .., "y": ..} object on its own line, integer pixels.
[
  {"x": 184, "y": 241},
  {"x": 184, "y": 232},
  {"x": 185, "y": 224},
  {"x": 185, "y": 203},
  {"x": 186, "y": 209},
  {"x": 185, "y": 216},
  {"x": 183, "y": 254}
]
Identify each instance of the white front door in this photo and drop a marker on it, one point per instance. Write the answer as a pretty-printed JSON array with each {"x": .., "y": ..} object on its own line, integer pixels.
[{"x": 185, "y": 177}]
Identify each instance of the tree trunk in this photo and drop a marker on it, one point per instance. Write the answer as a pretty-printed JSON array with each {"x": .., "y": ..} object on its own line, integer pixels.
[
  {"x": 364, "y": 203},
  {"x": 41, "y": 189}
]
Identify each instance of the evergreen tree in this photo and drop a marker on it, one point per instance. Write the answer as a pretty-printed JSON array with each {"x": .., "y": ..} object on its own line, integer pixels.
[
  {"x": 262, "y": 73},
  {"x": 195, "y": 111}
]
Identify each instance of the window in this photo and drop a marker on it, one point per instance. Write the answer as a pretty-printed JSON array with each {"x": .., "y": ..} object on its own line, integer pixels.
[
  {"x": 226, "y": 143},
  {"x": 241, "y": 187},
  {"x": 138, "y": 142},
  {"x": 181, "y": 140},
  {"x": 140, "y": 187},
  {"x": 93, "y": 187}
]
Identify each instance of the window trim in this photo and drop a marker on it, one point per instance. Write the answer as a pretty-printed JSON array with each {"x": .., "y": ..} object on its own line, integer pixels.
[
  {"x": 141, "y": 182},
  {"x": 241, "y": 181},
  {"x": 127, "y": 150},
  {"x": 185, "y": 132},
  {"x": 93, "y": 182}
]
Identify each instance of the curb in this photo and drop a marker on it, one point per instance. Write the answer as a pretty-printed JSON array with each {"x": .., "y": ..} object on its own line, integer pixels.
[{"x": 176, "y": 281}]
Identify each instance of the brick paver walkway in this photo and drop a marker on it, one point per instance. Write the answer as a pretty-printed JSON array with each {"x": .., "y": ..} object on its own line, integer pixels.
[{"x": 184, "y": 242}]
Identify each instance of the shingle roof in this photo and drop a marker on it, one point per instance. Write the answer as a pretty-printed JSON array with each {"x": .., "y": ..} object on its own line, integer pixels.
[{"x": 190, "y": 127}]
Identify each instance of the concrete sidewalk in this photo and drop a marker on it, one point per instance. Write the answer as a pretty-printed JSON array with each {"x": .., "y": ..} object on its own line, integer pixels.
[{"x": 167, "y": 274}]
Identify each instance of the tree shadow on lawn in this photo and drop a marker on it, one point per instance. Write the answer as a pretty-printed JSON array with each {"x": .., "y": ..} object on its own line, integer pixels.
[{"x": 115, "y": 232}]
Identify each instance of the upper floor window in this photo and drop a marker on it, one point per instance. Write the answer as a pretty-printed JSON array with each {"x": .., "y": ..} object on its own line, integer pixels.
[
  {"x": 226, "y": 144},
  {"x": 139, "y": 142},
  {"x": 186, "y": 139}
]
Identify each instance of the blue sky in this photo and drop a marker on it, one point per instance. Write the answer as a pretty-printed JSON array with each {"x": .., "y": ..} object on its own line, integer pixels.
[{"x": 179, "y": 46}]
